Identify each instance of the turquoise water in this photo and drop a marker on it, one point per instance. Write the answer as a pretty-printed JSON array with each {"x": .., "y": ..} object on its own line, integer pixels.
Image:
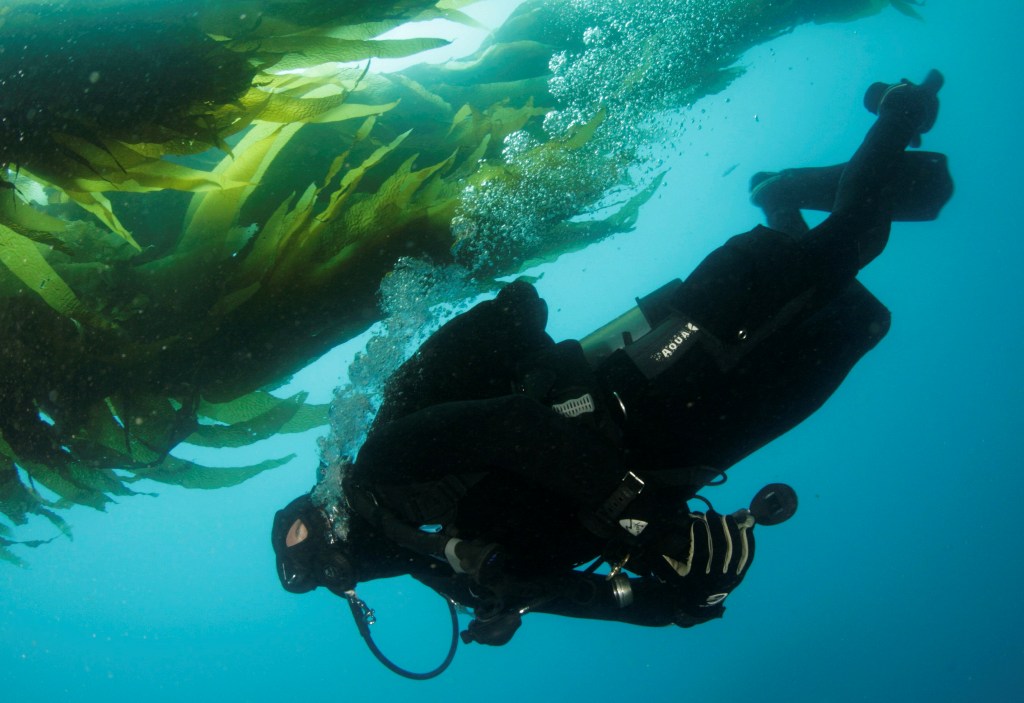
[{"x": 898, "y": 578}]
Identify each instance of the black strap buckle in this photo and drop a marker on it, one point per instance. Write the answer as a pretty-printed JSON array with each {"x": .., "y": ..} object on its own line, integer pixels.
[{"x": 630, "y": 487}]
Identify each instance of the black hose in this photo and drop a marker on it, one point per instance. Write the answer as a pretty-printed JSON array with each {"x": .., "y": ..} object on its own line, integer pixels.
[{"x": 364, "y": 617}]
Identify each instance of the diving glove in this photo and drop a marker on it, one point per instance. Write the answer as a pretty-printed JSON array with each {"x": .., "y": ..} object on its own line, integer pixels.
[
  {"x": 495, "y": 630},
  {"x": 703, "y": 560}
]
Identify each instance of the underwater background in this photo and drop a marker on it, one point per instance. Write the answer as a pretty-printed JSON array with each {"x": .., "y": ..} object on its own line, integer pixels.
[{"x": 899, "y": 577}]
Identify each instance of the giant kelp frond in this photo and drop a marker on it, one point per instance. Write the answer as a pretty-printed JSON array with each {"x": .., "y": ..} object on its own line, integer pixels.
[
  {"x": 241, "y": 219},
  {"x": 17, "y": 502},
  {"x": 254, "y": 417},
  {"x": 858, "y": 9},
  {"x": 156, "y": 81},
  {"x": 136, "y": 437},
  {"x": 907, "y": 8},
  {"x": 178, "y": 472},
  {"x": 22, "y": 257}
]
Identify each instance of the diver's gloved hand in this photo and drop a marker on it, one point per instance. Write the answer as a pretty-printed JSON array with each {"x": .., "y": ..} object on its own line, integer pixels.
[
  {"x": 918, "y": 105},
  {"x": 703, "y": 559},
  {"x": 495, "y": 630}
]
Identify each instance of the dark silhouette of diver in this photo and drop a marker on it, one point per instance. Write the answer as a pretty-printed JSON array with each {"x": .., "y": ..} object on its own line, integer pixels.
[{"x": 534, "y": 458}]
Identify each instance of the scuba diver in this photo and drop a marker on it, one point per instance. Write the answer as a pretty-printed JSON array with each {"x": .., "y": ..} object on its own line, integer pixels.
[{"x": 502, "y": 463}]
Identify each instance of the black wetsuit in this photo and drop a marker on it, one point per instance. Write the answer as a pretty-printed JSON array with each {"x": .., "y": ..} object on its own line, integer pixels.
[{"x": 467, "y": 437}]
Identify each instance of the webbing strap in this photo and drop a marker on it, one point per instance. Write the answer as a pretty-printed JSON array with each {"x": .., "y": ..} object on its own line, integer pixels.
[{"x": 630, "y": 487}]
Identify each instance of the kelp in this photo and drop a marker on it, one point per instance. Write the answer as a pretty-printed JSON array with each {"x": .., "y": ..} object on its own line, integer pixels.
[
  {"x": 123, "y": 341},
  {"x": 153, "y": 81}
]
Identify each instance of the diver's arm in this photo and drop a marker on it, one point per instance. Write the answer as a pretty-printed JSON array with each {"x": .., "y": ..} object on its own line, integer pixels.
[{"x": 635, "y": 601}]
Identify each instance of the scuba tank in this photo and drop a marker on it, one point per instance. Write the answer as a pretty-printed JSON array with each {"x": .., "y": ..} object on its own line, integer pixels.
[{"x": 629, "y": 327}]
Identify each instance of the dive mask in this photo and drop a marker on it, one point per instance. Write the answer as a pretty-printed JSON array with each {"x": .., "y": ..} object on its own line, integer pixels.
[{"x": 317, "y": 560}]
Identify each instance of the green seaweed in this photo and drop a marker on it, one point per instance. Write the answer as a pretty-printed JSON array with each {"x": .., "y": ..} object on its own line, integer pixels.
[
  {"x": 178, "y": 472},
  {"x": 282, "y": 415}
]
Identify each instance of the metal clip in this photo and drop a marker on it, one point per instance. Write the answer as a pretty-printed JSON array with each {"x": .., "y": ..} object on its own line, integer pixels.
[
  {"x": 365, "y": 611},
  {"x": 617, "y": 567}
]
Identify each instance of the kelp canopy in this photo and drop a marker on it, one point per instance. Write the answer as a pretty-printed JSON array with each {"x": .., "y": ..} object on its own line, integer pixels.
[{"x": 199, "y": 197}]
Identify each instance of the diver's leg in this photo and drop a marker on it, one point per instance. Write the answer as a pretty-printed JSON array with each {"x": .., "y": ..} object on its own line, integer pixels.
[
  {"x": 905, "y": 111},
  {"x": 919, "y": 186},
  {"x": 745, "y": 284},
  {"x": 742, "y": 285},
  {"x": 862, "y": 214},
  {"x": 751, "y": 295}
]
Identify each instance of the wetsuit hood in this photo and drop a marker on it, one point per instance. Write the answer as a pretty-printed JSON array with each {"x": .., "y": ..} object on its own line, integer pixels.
[{"x": 318, "y": 560}]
